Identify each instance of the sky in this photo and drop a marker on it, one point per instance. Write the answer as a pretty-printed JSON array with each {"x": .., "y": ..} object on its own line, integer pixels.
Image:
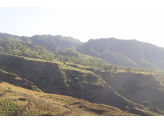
[{"x": 121, "y": 21}]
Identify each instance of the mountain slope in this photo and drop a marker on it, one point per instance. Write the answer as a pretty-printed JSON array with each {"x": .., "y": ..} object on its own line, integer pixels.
[
  {"x": 16, "y": 80},
  {"x": 49, "y": 42},
  {"x": 17, "y": 101},
  {"x": 59, "y": 79},
  {"x": 140, "y": 88},
  {"x": 130, "y": 49}
]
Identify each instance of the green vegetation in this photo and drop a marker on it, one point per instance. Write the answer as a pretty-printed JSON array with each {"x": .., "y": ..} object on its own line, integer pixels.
[
  {"x": 19, "y": 103},
  {"x": 129, "y": 69},
  {"x": 125, "y": 52},
  {"x": 127, "y": 108},
  {"x": 116, "y": 68},
  {"x": 7, "y": 107},
  {"x": 145, "y": 103},
  {"x": 27, "y": 49},
  {"x": 51, "y": 64}
]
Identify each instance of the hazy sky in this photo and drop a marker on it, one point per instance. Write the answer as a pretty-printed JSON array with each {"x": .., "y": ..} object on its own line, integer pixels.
[{"x": 143, "y": 24}]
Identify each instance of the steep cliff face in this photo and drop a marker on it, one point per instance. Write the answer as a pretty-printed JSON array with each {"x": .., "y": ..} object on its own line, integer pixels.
[{"x": 52, "y": 78}]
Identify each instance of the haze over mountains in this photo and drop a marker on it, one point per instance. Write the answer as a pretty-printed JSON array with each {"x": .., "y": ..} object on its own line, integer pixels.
[
  {"x": 115, "y": 51},
  {"x": 53, "y": 43},
  {"x": 107, "y": 71},
  {"x": 125, "y": 52}
]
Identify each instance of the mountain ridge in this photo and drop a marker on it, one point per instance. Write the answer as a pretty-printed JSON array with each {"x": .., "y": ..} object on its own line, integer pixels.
[{"x": 132, "y": 49}]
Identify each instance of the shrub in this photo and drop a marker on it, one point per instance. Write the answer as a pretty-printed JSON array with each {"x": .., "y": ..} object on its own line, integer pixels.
[
  {"x": 116, "y": 68},
  {"x": 145, "y": 103},
  {"x": 69, "y": 80},
  {"x": 129, "y": 69},
  {"x": 64, "y": 77},
  {"x": 148, "y": 108},
  {"x": 127, "y": 108},
  {"x": 83, "y": 76},
  {"x": 76, "y": 78},
  {"x": 9, "y": 88},
  {"x": 98, "y": 76}
]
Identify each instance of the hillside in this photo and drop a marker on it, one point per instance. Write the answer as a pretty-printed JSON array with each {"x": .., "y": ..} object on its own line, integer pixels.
[
  {"x": 57, "y": 78},
  {"x": 50, "y": 66},
  {"x": 28, "y": 49},
  {"x": 49, "y": 42},
  {"x": 115, "y": 51},
  {"x": 16, "y": 80},
  {"x": 144, "y": 89},
  {"x": 124, "y": 52},
  {"x": 17, "y": 101}
]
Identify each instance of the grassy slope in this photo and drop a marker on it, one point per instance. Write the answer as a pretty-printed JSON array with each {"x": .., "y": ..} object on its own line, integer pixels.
[{"x": 14, "y": 99}]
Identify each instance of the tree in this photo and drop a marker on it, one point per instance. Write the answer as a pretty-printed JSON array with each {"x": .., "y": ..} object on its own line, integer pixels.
[
  {"x": 56, "y": 53},
  {"x": 127, "y": 108},
  {"x": 7, "y": 47},
  {"x": 151, "y": 71},
  {"x": 138, "y": 70},
  {"x": 40, "y": 52},
  {"x": 134, "y": 70},
  {"x": 115, "y": 68},
  {"x": 90, "y": 64},
  {"x": 106, "y": 68},
  {"x": 110, "y": 68},
  {"x": 147, "y": 70},
  {"x": 101, "y": 66},
  {"x": 44, "y": 56},
  {"x": 51, "y": 58},
  {"x": 34, "y": 55},
  {"x": 129, "y": 69},
  {"x": 60, "y": 58},
  {"x": 2, "y": 49},
  {"x": 66, "y": 59},
  {"x": 123, "y": 68},
  {"x": 145, "y": 103},
  {"x": 14, "y": 47},
  {"x": 143, "y": 69}
]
